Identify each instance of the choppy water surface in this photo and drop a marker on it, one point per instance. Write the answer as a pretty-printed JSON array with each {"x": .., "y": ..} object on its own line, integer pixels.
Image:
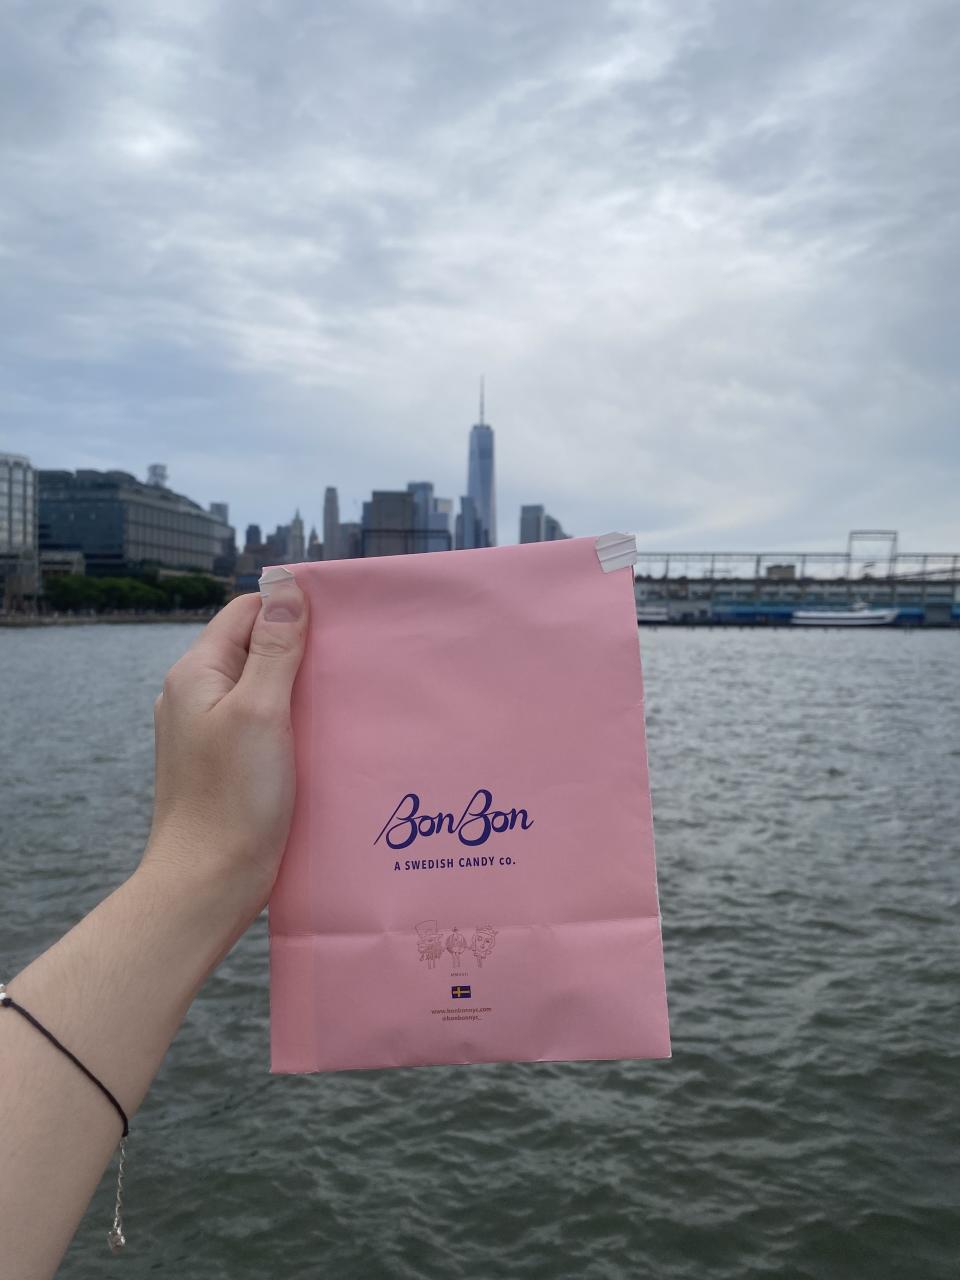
[{"x": 808, "y": 823}]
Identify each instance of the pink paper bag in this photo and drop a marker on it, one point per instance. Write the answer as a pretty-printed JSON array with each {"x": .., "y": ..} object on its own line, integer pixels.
[{"x": 470, "y": 872}]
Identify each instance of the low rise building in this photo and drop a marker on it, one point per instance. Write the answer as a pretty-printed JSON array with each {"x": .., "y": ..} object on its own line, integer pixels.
[{"x": 124, "y": 526}]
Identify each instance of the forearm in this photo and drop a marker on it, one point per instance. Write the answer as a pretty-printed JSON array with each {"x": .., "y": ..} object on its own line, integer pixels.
[
  {"x": 116, "y": 988},
  {"x": 114, "y": 991}
]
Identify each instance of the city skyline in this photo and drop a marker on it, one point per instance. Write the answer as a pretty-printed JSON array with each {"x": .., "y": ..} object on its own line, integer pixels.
[
  {"x": 414, "y": 518},
  {"x": 62, "y": 531},
  {"x": 61, "y": 523}
]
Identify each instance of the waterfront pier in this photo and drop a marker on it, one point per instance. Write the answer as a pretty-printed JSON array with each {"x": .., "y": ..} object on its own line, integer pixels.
[{"x": 767, "y": 588}]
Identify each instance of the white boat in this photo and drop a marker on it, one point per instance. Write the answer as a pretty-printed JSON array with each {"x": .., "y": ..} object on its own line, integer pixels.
[
  {"x": 650, "y": 615},
  {"x": 858, "y": 615}
]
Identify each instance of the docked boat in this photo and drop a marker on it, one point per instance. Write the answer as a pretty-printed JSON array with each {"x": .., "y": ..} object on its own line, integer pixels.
[
  {"x": 651, "y": 615},
  {"x": 858, "y": 615}
]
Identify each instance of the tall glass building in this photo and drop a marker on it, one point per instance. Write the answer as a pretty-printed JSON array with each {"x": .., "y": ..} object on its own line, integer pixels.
[
  {"x": 124, "y": 526},
  {"x": 481, "y": 484},
  {"x": 432, "y": 516},
  {"x": 19, "y": 555}
]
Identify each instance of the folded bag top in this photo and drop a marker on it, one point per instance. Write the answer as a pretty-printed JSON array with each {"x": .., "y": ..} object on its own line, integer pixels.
[{"x": 470, "y": 871}]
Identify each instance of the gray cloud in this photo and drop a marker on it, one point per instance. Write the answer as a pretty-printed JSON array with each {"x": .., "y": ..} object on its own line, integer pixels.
[{"x": 705, "y": 255}]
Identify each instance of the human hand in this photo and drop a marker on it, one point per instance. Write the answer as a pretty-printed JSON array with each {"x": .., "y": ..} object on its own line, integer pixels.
[
  {"x": 117, "y": 986},
  {"x": 225, "y": 778}
]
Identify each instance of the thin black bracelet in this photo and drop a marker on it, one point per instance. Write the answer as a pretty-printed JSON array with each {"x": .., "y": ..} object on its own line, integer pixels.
[
  {"x": 8, "y": 1002},
  {"x": 115, "y": 1238}
]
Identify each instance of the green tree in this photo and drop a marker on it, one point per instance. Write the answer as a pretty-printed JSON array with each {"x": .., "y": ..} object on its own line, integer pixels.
[
  {"x": 192, "y": 591},
  {"x": 116, "y": 593},
  {"x": 72, "y": 592},
  {"x": 146, "y": 598}
]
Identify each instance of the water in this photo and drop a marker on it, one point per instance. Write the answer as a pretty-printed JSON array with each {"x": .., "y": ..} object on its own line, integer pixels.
[{"x": 808, "y": 824}]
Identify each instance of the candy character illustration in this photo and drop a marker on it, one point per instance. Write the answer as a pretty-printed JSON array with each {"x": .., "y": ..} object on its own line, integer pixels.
[
  {"x": 429, "y": 942},
  {"x": 483, "y": 939},
  {"x": 456, "y": 944}
]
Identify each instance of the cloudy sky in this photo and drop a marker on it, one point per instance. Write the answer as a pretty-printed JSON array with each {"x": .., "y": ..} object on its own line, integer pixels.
[{"x": 705, "y": 252}]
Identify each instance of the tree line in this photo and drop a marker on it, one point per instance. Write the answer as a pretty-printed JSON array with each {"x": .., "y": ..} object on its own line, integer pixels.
[{"x": 73, "y": 593}]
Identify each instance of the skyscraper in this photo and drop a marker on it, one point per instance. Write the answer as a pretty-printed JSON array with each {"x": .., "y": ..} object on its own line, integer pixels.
[
  {"x": 469, "y": 527},
  {"x": 422, "y": 494},
  {"x": 351, "y": 540},
  {"x": 331, "y": 524},
  {"x": 480, "y": 481},
  {"x": 532, "y": 523},
  {"x": 432, "y": 518},
  {"x": 19, "y": 545},
  {"x": 537, "y": 525},
  {"x": 277, "y": 546},
  {"x": 389, "y": 521},
  {"x": 225, "y": 563},
  {"x": 439, "y": 535},
  {"x": 297, "y": 543}
]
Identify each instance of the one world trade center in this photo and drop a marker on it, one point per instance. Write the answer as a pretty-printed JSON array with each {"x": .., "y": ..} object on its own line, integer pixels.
[{"x": 480, "y": 505}]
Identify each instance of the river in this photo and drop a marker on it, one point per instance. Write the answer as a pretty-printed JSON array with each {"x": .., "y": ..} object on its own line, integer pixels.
[{"x": 807, "y": 813}]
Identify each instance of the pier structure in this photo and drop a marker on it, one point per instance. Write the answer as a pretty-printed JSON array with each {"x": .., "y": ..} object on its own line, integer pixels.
[{"x": 766, "y": 588}]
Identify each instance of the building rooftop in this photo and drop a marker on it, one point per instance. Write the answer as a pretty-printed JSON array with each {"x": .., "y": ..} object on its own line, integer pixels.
[{"x": 85, "y": 478}]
